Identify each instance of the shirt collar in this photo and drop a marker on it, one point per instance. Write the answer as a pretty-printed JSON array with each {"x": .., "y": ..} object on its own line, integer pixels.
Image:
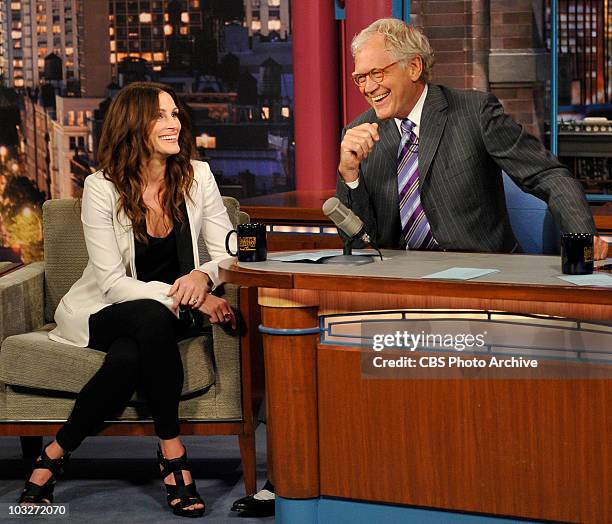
[{"x": 415, "y": 114}]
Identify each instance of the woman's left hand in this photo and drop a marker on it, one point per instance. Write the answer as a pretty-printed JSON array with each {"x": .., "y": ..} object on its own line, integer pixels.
[
  {"x": 190, "y": 290},
  {"x": 218, "y": 310}
]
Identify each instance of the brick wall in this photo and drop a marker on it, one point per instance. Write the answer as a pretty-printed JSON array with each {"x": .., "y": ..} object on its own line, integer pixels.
[
  {"x": 459, "y": 34},
  {"x": 518, "y": 68},
  {"x": 491, "y": 45}
]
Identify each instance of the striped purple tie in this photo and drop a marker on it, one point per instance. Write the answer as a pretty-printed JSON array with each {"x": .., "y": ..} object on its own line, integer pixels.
[{"x": 415, "y": 226}]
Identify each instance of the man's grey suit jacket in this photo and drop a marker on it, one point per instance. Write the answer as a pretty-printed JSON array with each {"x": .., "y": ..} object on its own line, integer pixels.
[{"x": 465, "y": 142}]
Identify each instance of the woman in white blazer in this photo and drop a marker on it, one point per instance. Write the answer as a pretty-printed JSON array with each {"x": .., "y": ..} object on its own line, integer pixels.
[{"x": 142, "y": 214}]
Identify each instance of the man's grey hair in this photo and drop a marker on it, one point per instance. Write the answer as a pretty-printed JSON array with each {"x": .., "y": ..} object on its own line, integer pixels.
[{"x": 402, "y": 40}]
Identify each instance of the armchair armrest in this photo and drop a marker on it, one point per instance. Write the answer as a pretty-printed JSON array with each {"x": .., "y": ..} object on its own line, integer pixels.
[
  {"x": 243, "y": 218},
  {"x": 22, "y": 300},
  {"x": 226, "y": 350}
]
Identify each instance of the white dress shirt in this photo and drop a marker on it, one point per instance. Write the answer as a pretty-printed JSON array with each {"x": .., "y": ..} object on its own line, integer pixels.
[{"x": 414, "y": 116}]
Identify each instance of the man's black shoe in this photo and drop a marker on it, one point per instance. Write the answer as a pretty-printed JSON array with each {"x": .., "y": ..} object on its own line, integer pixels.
[{"x": 259, "y": 505}]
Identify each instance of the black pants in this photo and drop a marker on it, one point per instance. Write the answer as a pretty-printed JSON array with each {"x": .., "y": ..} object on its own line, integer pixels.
[{"x": 140, "y": 341}]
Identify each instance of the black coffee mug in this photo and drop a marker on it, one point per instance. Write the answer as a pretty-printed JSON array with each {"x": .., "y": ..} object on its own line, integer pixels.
[
  {"x": 577, "y": 253},
  {"x": 252, "y": 246}
]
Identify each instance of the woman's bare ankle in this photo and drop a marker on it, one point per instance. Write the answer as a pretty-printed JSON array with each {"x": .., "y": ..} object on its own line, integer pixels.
[
  {"x": 41, "y": 475},
  {"x": 54, "y": 450},
  {"x": 172, "y": 448}
]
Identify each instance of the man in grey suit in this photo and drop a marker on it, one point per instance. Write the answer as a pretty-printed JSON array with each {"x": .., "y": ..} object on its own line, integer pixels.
[{"x": 422, "y": 168}]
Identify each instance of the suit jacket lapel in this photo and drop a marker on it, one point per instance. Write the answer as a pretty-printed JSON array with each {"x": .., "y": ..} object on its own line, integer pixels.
[
  {"x": 389, "y": 137},
  {"x": 433, "y": 120},
  {"x": 385, "y": 156}
]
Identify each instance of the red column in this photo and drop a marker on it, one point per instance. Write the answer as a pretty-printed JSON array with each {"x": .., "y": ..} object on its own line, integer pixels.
[
  {"x": 359, "y": 14},
  {"x": 319, "y": 86},
  {"x": 317, "y": 97}
]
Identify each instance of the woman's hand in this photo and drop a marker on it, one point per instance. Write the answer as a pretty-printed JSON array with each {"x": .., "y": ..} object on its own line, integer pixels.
[
  {"x": 218, "y": 310},
  {"x": 190, "y": 290}
]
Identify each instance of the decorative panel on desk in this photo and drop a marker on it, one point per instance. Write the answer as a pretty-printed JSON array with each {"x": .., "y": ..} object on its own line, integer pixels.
[{"x": 537, "y": 449}]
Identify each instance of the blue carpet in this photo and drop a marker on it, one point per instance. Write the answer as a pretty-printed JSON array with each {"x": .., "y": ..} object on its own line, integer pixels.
[{"x": 115, "y": 479}]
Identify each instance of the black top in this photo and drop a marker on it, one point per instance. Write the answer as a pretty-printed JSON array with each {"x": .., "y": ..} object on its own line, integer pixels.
[{"x": 158, "y": 260}]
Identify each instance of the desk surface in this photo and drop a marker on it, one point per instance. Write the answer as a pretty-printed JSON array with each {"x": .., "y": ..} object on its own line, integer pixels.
[{"x": 520, "y": 276}]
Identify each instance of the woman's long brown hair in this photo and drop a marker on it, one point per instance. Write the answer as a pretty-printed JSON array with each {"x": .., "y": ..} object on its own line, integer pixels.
[{"x": 124, "y": 148}]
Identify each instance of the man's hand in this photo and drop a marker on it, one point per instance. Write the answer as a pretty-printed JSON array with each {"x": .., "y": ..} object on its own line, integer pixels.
[
  {"x": 190, "y": 290},
  {"x": 218, "y": 310},
  {"x": 357, "y": 144},
  {"x": 600, "y": 248}
]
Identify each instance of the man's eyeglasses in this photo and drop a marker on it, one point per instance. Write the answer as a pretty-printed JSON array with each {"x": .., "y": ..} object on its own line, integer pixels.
[{"x": 377, "y": 75}]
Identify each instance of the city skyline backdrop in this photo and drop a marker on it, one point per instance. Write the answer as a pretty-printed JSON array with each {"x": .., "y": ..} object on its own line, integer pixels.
[{"x": 62, "y": 61}]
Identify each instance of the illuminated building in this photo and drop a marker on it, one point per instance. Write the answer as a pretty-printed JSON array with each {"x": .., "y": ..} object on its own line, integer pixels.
[
  {"x": 35, "y": 29},
  {"x": 3, "y": 30},
  {"x": 147, "y": 29},
  {"x": 70, "y": 136},
  {"x": 264, "y": 17}
]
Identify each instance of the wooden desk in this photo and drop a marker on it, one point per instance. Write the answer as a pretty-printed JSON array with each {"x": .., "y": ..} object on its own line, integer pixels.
[
  {"x": 8, "y": 267},
  {"x": 603, "y": 218},
  {"x": 297, "y": 209},
  {"x": 290, "y": 207},
  {"x": 529, "y": 448}
]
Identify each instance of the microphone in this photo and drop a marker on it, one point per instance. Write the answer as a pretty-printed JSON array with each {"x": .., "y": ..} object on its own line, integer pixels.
[
  {"x": 345, "y": 220},
  {"x": 353, "y": 227}
]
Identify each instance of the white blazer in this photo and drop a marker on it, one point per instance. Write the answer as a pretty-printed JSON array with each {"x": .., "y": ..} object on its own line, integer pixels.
[{"x": 110, "y": 275}]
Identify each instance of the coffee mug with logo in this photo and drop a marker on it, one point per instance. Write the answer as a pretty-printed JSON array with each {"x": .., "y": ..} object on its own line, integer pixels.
[
  {"x": 577, "y": 253},
  {"x": 252, "y": 246}
]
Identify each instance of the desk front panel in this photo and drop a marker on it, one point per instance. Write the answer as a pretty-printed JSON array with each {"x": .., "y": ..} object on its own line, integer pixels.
[{"x": 528, "y": 448}]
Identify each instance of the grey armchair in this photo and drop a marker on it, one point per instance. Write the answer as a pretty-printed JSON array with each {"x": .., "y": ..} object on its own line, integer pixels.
[{"x": 39, "y": 378}]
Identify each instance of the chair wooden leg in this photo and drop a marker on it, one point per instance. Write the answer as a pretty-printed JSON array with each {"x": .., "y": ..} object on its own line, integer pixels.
[
  {"x": 247, "y": 455},
  {"x": 31, "y": 447}
]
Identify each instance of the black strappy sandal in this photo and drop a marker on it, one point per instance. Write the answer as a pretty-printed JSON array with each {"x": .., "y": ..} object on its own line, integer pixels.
[
  {"x": 186, "y": 495},
  {"x": 37, "y": 494}
]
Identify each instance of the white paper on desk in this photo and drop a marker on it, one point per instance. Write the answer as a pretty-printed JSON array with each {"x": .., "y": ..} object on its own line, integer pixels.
[
  {"x": 314, "y": 256},
  {"x": 461, "y": 273},
  {"x": 596, "y": 279}
]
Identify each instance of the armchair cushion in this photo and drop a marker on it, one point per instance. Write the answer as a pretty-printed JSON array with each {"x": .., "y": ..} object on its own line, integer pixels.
[{"x": 33, "y": 361}]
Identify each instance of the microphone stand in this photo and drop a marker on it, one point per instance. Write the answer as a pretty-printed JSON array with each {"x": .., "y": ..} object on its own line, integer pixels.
[
  {"x": 347, "y": 257},
  {"x": 347, "y": 248}
]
